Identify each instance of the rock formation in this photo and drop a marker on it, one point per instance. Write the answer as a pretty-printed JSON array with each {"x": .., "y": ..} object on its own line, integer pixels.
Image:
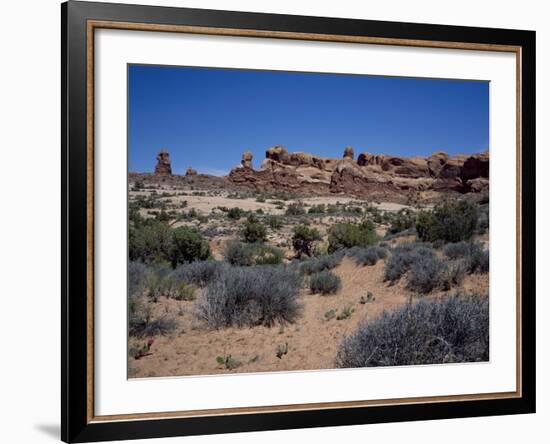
[
  {"x": 191, "y": 172},
  {"x": 348, "y": 152},
  {"x": 371, "y": 174},
  {"x": 246, "y": 160},
  {"x": 163, "y": 167}
]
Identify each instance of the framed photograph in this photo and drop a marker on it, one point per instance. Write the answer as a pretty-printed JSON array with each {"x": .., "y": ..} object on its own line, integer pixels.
[{"x": 275, "y": 221}]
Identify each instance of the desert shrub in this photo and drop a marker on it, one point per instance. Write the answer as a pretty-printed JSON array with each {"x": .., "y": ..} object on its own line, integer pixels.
[
  {"x": 425, "y": 273},
  {"x": 403, "y": 220},
  {"x": 303, "y": 240},
  {"x": 409, "y": 247},
  {"x": 228, "y": 362},
  {"x": 476, "y": 259},
  {"x": 148, "y": 202},
  {"x": 274, "y": 222},
  {"x": 325, "y": 282},
  {"x": 241, "y": 254},
  {"x": 367, "y": 256},
  {"x": 268, "y": 255},
  {"x": 457, "y": 250},
  {"x": 350, "y": 209},
  {"x": 345, "y": 313},
  {"x": 210, "y": 232},
  {"x": 134, "y": 216},
  {"x": 295, "y": 209},
  {"x": 182, "y": 291},
  {"x": 188, "y": 245},
  {"x": 235, "y": 213},
  {"x": 162, "y": 216},
  {"x": 317, "y": 264},
  {"x": 238, "y": 253},
  {"x": 450, "y": 222},
  {"x": 246, "y": 296},
  {"x": 408, "y": 232},
  {"x": 254, "y": 230},
  {"x": 452, "y": 275},
  {"x": 450, "y": 329},
  {"x": 149, "y": 242},
  {"x": 142, "y": 323},
  {"x": 199, "y": 273},
  {"x": 136, "y": 276},
  {"x": 483, "y": 219},
  {"x": 402, "y": 259},
  {"x": 317, "y": 209},
  {"x": 348, "y": 235},
  {"x": 155, "y": 282}
]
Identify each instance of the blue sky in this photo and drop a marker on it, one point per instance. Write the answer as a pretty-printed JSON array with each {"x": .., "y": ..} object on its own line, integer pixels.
[{"x": 206, "y": 117}]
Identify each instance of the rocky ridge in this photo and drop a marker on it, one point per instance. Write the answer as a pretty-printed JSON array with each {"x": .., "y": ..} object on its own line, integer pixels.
[{"x": 371, "y": 174}]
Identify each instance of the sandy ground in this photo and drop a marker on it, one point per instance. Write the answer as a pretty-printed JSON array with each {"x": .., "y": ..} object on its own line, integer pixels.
[
  {"x": 206, "y": 204},
  {"x": 312, "y": 340}
]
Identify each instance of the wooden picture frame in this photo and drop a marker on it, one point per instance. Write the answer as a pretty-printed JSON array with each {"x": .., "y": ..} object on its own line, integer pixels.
[{"x": 79, "y": 22}]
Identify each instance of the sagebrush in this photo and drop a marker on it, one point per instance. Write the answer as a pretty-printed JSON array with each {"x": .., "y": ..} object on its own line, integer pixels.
[{"x": 451, "y": 329}]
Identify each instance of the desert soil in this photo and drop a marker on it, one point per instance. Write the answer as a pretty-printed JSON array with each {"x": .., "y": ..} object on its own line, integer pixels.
[{"x": 312, "y": 340}]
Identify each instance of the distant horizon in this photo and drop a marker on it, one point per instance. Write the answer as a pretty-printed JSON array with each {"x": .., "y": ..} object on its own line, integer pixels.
[{"x": 207, "y": 117}]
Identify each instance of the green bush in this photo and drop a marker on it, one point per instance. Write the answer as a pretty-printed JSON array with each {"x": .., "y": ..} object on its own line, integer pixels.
[
  {"x": 241, "y": 254},
  {"x": 403, "y": 220},
  {"x": 254, "y": 230},
  {"x": 268, "y": 255},
  {"x": 188, "y": 245},
  {"x": 238, "y": 253},
  {"x": 150, "y": 241},
  {"x": 274, "y": 222},
  {"x": 155, "y": 241},
  {"x": 295, "y": 210},
  {"x": 348, "y": 235},
  {"x": 182, "y": 291},
  {"x": 303, "y": 240},
  {"x": 235, "y": 213},
  {"x": 317, "y": 209},
  {"x": 450, "y": 329},
  {"x": 325, "y": 282},
  {"x": 449, "y": 222}
]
